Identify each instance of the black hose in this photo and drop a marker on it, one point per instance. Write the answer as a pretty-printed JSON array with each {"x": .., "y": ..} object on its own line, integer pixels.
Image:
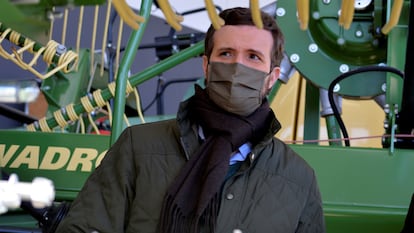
[
  {"x": 15, "y": 114},
  {"x": 346, "y": 75}
]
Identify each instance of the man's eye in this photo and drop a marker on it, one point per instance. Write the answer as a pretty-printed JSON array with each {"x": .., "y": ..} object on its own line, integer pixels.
[
  {"x": 225, "y": 54},
  {"x": 254, "y": 57}
]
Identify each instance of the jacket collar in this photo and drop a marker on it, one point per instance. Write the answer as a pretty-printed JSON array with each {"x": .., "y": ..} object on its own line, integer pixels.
[{"x": 189, "y": 132}]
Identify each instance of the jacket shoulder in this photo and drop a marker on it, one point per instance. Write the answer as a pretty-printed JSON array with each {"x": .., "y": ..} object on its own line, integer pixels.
[
  {"x": 152, "y": 130},
  {"x": 154, "y": 136},
  {"x": 283, "y": 161}
]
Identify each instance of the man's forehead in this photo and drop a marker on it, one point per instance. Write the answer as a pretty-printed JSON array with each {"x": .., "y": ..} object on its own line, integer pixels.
[{"x": 248, "y": 37}]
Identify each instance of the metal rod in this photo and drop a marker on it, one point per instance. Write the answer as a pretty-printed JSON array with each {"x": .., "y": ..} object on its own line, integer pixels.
[{"x": 122, "y": 78}]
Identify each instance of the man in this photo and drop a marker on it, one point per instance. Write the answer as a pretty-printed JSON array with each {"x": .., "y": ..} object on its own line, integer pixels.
[{"x": 217, "y": 167}]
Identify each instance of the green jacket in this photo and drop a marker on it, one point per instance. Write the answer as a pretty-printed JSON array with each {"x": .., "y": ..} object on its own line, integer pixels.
[{"x": 275, "y": 190}]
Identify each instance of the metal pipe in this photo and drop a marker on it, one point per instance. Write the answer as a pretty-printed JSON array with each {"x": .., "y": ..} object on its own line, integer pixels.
[
  {"x": 125, "y": 65},
  {"x": 333, "y": 130}
]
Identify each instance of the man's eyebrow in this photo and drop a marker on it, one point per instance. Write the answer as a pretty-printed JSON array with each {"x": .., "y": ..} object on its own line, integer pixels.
[
  {"x": 226, "y": 49},
  {"x": 256, "y": 52}
]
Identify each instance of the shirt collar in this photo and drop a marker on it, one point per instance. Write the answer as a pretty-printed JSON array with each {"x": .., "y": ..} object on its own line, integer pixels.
[{"x": 239, "y": 155}]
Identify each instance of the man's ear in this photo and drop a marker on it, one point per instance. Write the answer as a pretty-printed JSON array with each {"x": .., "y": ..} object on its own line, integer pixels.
[{"x": 273, "y": 77}]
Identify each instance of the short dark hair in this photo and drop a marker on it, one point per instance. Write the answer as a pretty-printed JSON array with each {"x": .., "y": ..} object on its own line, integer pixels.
[{"x": 243, "y": 16}]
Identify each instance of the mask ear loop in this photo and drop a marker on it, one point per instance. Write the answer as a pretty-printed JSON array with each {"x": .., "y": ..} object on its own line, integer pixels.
[
  {"x": 266, "y": 93},
  {"x": 205, "y": 78},
  {"x": 269, "y": 72}
]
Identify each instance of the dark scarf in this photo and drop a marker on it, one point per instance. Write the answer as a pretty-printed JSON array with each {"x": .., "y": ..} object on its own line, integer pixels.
[{"x": 193, "y": 198}]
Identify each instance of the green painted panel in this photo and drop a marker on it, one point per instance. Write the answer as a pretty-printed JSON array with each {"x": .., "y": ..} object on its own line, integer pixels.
[
  {"x": 363, "y": 189},
  {"x": 67, "y": 159}
]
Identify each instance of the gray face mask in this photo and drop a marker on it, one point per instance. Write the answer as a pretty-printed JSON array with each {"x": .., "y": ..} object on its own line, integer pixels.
[{"x": 234, "y": 87}]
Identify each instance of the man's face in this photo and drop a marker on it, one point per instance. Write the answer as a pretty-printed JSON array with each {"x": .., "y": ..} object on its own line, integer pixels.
[{"x": 247, "y": 45}]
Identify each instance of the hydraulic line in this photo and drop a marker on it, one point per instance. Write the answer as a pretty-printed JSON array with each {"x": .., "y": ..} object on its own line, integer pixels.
[
  {"x": 15, "y": 114},
  {"x": 346, "y": 75}
]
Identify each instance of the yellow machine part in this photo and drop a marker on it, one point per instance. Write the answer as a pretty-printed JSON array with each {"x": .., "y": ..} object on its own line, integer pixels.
[{"x": 363, "y": 118}]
